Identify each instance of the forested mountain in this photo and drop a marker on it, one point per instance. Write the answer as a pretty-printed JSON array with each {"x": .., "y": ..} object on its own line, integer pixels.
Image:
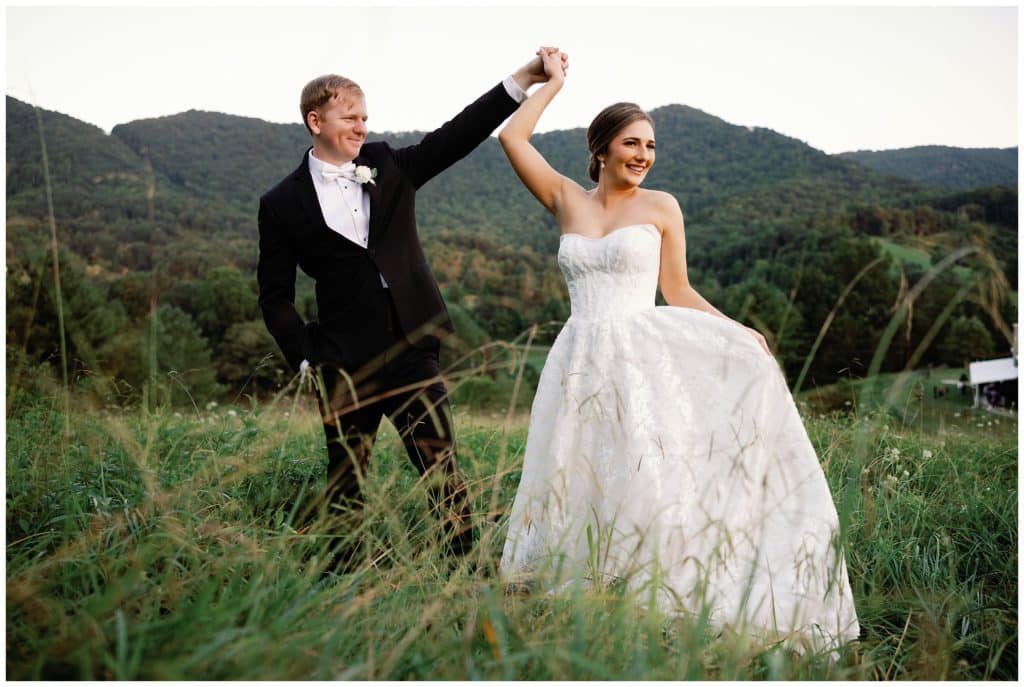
[
  {"x": 952, "y": 168},
  {"x": 157, "y": 224},
  {"x": 112, "y": 207},
  {"x": 702, "y": 160}
]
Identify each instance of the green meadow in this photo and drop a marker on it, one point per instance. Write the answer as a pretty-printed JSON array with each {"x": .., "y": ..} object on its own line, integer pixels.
[{"x": 165, "y": 545}]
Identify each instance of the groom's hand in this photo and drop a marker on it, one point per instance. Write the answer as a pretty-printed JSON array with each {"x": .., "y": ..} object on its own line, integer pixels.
[
  {"x": 555, "y": 63},
  {"x": 533, "y": 71}
]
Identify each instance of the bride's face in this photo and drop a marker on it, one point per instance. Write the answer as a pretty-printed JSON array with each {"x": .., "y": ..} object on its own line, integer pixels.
[{"x": 630, "y": 154}]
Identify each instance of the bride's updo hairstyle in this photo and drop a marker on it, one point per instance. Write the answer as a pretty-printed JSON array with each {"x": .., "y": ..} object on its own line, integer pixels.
[
  {"x": 608, "y": 122},
  {"x": 317, "y": 92}
]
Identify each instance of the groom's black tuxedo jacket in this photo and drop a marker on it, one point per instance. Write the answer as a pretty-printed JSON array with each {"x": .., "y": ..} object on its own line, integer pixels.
[{"x": 293, "y": 233}]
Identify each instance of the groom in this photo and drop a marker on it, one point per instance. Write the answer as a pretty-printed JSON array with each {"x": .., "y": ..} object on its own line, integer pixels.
[{"x": 346, "y": 216}]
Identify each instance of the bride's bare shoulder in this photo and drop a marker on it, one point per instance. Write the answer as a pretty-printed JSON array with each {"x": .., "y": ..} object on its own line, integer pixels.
[
  {"x": 663, "y": 200},
  {"x": 665, "y": 207}
]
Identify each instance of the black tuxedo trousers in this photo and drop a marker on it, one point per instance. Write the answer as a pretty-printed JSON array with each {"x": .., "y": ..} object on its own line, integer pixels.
[{"x": 402, "y": 383}]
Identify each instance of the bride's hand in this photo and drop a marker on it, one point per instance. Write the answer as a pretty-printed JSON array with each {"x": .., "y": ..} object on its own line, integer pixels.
[
  {"x": 555, "y": 62},
  {"x": 534, "y": 71},
  {"x": 760, "y": 338}
]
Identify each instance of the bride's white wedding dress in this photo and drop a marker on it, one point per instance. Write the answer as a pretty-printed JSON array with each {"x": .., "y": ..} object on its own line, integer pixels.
[{"x": 665, "y": 450}]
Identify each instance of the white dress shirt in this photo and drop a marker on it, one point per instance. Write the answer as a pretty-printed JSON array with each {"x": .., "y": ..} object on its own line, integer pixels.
[
  {"x": 513, "y": 89},
  {"x": 345, "y": 206}
]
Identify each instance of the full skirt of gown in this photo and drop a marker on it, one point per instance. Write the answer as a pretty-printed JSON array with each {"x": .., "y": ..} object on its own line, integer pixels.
[{"x": 665, "y": 450}]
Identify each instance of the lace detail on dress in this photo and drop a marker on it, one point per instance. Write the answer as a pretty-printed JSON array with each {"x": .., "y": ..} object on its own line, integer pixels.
[{"x": 665, "y": 448}]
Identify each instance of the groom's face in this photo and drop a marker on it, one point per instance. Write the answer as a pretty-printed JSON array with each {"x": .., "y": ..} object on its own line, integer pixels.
[{"x": 340, "y": 126}]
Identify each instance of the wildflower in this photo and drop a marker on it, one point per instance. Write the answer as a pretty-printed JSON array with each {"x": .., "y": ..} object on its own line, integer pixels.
[
  {"x": 963, "y": 507},
  {"x": 906, "y": 473},
  {"x": 927, "y": 454},
  {"x": 211, "y": 405},
  {"x": 956, "y": 414},
  {"x": 232, "y": 413}
]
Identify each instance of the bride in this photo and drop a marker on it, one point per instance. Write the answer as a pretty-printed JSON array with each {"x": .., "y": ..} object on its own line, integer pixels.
[{"x": 664, "y": 450}]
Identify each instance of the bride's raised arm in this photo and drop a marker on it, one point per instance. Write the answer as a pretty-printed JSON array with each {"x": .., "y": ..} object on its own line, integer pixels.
[{"x": 539, "y": 177}]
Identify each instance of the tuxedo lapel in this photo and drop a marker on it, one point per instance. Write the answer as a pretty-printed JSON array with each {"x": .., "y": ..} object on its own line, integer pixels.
[
  {"x": 376, "y": 206},
  {"x": 307, "y": 193}
]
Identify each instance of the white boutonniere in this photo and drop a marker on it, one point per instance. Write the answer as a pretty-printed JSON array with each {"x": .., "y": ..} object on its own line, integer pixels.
[{"x": 364, "y": 174}]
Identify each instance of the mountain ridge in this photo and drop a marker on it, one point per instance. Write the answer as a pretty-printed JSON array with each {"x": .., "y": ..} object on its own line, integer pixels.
[
  {"x": 160, "y": 215},
  {"x": 949, "y": 167}
]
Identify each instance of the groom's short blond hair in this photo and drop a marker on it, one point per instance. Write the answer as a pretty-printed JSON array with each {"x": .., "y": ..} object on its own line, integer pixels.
[{"x": 323, "y": 88}]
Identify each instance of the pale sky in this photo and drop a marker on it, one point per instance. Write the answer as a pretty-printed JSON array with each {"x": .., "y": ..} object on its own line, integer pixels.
[{"x": 838, "y": 78}]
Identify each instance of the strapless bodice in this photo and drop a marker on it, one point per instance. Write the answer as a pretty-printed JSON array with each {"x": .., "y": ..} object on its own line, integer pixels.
[{"x": 611, "y": 276}]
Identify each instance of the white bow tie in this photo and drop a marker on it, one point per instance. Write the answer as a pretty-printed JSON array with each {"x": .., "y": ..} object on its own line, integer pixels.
[{"x": 346, "y": 171}]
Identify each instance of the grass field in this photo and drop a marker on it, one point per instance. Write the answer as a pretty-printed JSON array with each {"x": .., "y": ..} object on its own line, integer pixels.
[
  {"x": 917, "y": 257},
  {"x": 161, "y": 546},
  {"x": 910, "y": 399},
  {"x": 905, "y": 254}
]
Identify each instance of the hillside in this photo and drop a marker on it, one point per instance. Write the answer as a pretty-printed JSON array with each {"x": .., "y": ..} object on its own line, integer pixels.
[
  {"x": 715, "y": 169},
  {"x": 944, "y": 166},
  {"x": 112, "y": 206},
  {"x": 157, "y": 220},
  {"x": 702, "y": 160}
]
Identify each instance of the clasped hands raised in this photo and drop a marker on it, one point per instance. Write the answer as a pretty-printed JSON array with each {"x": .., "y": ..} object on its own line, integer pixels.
[{"x": 549, "y": 63}]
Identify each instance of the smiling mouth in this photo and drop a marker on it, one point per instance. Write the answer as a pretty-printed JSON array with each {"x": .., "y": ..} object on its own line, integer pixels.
[{"x": 636, "y": 169}]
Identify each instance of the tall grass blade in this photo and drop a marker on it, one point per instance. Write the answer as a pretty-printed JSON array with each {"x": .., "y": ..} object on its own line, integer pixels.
[{"x": 57, "y": 293}]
